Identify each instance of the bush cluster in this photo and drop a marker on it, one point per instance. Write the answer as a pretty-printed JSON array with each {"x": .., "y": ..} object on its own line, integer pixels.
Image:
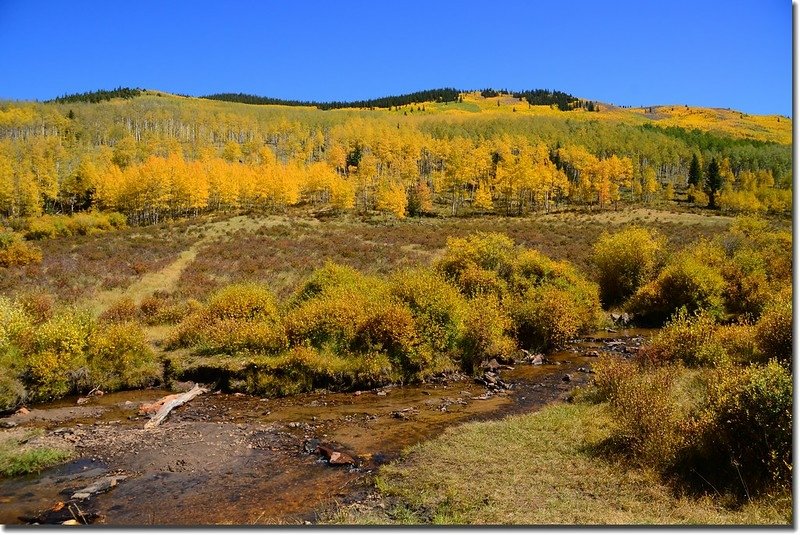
[
  {"x": 240, "y": 317},
  {"x": 625, "y": 260},
  {"x": 738, "y": 273},
  {"x": 14, "y": 251},
  {"x": 80, "y": 224},
  {"x": 731, "y": 424},
  {"x": 48, "y": 352},
  {"x": 548, "y": 301}
]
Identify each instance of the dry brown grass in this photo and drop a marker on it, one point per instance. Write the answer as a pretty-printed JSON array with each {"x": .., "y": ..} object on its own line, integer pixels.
[{"x": 538, "y": 469}]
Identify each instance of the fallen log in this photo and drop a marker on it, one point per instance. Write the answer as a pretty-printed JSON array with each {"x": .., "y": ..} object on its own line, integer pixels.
[{"x": 174, "y": 403}]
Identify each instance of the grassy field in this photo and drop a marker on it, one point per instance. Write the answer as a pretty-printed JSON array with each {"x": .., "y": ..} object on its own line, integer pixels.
[{"x": 540, "y": 469}]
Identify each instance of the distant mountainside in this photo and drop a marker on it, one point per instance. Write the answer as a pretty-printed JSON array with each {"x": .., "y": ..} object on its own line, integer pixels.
[{"x": 564, "y": 101}]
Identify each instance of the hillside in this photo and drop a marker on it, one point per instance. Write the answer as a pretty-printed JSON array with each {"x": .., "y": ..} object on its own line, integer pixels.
[{"x": 474, "y": 152}]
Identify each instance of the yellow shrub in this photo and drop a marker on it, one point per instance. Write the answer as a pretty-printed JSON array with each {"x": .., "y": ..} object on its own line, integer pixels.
[
  {"x": 774, "y": 329},
  {"x": 15, "y": 252},
  {"x": 485, "y": 333},
  {"x": 437, "y": 307},
  {"x": 625, "y": 260},
  {"x": 119, "y": 356},
  {"x": 247, "y": 301},
  {"x": 14, "y": 322},
  {"x": 686, "y": 282}
]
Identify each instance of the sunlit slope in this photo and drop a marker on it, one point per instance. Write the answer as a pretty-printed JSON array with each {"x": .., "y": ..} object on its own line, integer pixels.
[
  {"x": 154, "y": 105},
  {"x": 774, "y": 128}
]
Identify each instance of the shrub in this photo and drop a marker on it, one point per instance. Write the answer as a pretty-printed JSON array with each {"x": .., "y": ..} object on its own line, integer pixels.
[
  {"x": 773, "y": 331},
  {"x": 546, "y": 317},
  {"x": 40, "y": 228},
  {"x": 747, "y": 286},
  {"x": 739, "y": 342},
  {"x": 648, "y": 416},
  {"x": 749, "y": 425},
  {"x": 390, "y": 329},
  {"x": 15, "y": 252},
  {"x": 120, "y": 357},
  {"x": 437, "y": 307},
  {"x": 245, "y": 301},
  {"x": 232, "y": 335},
  {"x": 682, "y": 340},
  {"x": 610, "y": 372},
  {"x": 329, "y": 276},
  {"x": 12, "y": 391},
  {"x": 237, "y": 317},
  {"x": 686, "y": 282},
  {"x": 485, "y": 333},
  {"x": 15, "y": 321},
  {"x": 488, "y": 251},
  {"x": 56, "y": 363},
  {"x": 474, "y": 281},
  {"x": 123, "y": 310},
  {"x": 624, "y": 261},
  {"x": 40, "y": 306}
]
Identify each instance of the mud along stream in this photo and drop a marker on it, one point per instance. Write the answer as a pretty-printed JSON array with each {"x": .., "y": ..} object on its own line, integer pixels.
[{"x": 237, "y": 459}]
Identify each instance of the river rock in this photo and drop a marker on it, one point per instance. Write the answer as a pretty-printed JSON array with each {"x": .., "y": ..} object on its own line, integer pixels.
[
  {"x": 335, "y": 458},
  {"x": 98, "y": 487}
]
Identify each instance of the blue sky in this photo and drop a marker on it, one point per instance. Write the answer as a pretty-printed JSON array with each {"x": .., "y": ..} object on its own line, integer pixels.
[{"x": 735, "y": 54}]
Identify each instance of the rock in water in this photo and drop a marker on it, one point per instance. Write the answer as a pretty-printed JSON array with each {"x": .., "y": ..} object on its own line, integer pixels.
[{"x": 98, "y": 487}]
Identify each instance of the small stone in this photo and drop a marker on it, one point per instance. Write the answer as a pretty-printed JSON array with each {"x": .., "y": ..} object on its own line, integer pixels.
[
  {"x": 7, "y": 424},
  {"x": 22, "y": 411},
  {"x": 567, "y": 378}
]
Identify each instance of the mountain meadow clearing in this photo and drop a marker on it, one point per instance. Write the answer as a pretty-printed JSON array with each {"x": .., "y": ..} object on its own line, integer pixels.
[{"x": 448, "y": 307}]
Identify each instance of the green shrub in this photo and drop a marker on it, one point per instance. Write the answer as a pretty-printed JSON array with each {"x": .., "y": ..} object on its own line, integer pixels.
[
  {"x": 624, "y": 261},
  {"x": 773, "y": 331},
  {"x": 686, "y": 282},
  {"x": 120, "y": 357}
]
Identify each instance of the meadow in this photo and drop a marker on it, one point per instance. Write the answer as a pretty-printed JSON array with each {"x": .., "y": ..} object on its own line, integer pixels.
[{"x": 281, "y": 250}]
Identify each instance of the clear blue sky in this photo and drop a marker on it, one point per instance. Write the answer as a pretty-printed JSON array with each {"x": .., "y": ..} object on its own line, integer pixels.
[{"x": 735, "y": 54}]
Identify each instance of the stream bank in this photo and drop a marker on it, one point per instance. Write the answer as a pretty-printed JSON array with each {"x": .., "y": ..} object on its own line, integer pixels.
[{"x": 238, "y": 459}]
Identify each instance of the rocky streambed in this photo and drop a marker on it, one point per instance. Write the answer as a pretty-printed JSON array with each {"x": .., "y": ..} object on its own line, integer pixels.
[{"x": 228, "y": 458}]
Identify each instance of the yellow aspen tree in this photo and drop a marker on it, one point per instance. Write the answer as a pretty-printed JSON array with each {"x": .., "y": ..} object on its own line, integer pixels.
[
  {"x": 343, "y": 194},
  {"x": 392, "y": 198},
  {"x": 483, "y": 199},
  {"x": 669, "y": 192},
  {"x": 649, "y": 184}
]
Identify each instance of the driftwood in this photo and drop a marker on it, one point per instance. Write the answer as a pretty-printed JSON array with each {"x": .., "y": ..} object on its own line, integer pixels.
[{"x": 173, "y": 403}]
